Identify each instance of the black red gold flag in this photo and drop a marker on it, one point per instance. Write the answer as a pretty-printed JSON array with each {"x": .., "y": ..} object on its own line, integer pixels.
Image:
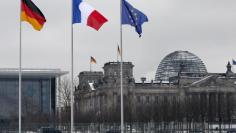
[
  {"x": 31, "y": 13},
  {"x": 118, "y": 50},
  {"x": 92, "y": 60}
]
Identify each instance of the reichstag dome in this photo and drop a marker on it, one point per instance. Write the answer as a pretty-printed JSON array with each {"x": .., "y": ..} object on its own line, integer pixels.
[{"x": 171, "y": 64}]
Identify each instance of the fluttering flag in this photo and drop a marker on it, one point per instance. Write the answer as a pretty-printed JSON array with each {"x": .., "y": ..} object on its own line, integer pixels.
[
  {"x": 233, "y": 62},
  {"x": 31, "y": 13},
  {"x": 92, "y": 60},
  {"x": 133, "y": 17},
  {"x": 92, "y": 86},
  {"x": 118, "y": 50},
  {"x": 86, "y": 14}
]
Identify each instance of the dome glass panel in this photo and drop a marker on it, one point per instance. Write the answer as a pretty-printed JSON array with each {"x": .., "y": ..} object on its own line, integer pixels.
[{"x": 170, "y": 66}]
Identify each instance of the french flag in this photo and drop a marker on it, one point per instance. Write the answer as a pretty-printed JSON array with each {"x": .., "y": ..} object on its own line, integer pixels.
[{"x": 86, "y": 14}]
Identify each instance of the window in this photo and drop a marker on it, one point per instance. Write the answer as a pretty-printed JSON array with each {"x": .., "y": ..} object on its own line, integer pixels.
[
  {"x": 147, "y": 99},
  {"x": 45, "y": 96},
  {"x": 138, "y": 99},
  {"x": 156, "y": 99},
  {"x": 118, "y": 99}
]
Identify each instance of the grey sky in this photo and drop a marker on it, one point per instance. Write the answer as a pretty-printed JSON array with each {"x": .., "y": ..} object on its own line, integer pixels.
[{"x": 206, "y": 28}]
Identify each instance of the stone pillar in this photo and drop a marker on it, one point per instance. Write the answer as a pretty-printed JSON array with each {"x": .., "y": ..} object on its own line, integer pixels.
[
  {"x": 208, "y": 106},
  {"x": 217, "y": 105}
]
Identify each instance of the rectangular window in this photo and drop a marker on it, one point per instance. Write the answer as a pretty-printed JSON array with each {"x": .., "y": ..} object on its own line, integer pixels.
[
  {"x": 138, "y": 99},
  {"x": 118, "y": 99},
  {"x": 46, "y": 96},
  {"x": 156, "y": 99},
  {"x": 147, "y": 99}
]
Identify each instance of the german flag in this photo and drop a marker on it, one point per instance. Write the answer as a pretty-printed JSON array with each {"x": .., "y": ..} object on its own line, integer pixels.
[
  {"x": 118, "y": 50},
  {"x": 92, "y": 60},
  {"x": 31, "y": 13}
]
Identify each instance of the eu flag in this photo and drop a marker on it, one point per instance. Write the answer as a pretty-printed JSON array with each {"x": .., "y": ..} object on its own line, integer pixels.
[
  {"x": 133, "y": 17},
  {"x": 234, "y": 62}
]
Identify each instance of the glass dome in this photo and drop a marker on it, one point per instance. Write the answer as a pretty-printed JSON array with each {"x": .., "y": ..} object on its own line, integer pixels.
[{"x": 171, "y": 64}]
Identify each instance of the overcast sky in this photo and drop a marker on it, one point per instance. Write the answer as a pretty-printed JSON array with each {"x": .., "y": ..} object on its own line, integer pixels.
[{"x": 206, "y": 28}]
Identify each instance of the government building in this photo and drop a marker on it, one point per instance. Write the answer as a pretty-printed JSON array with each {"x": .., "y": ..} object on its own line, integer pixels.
[
  {"x": 183, "y": 90},
  {"x": 39, "y": 90}
]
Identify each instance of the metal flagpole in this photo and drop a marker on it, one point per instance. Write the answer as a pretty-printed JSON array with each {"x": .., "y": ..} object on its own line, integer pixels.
[
  {"x": 90, "y": 63},
  {"x": 117, "y": 53},
  {"x": 72, "y": 71},
  {"x": 20, "y": 47},
  {"x": 121, "y": 72}
]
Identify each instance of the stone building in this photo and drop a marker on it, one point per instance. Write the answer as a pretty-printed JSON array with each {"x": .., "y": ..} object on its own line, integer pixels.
[{"x": 183, "y": 90}]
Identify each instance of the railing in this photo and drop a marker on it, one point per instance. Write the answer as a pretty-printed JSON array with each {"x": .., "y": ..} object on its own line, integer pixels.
[{"x": 161, "y": 127}]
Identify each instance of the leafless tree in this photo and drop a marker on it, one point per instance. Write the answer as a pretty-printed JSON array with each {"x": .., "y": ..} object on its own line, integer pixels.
[
  {"x": 64, "y": 98},
  {"x": 64, "y": 93}
]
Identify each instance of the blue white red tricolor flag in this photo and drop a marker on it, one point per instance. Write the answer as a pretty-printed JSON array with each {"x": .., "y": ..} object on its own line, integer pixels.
[{"x": 86, "y": 14}]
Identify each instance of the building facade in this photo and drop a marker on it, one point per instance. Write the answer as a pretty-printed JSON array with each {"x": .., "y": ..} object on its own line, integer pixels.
[
  {"x": 38, "y": 92},
  {"x": 183, "y": 90}
]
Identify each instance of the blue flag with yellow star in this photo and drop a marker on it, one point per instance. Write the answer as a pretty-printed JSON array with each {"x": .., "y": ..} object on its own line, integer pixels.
[{"x": 133, "y": 17}]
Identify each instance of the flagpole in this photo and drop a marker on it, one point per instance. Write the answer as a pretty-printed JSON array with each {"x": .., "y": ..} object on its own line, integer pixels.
[
  {"x": 20, "y": 48},
  {"x": 121, "y": 72},
  {"x": 72, "y": 72},
  {"x": 90, "y": 66},
  {"x": 117, "y": 53}
]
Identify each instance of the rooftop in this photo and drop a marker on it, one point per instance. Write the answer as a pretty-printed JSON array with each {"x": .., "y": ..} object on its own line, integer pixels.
[{"x": 30, "y": 72}]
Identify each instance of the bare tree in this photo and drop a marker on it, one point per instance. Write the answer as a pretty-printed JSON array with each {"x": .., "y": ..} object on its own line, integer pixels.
[
  {"x": 64, "y": 93},
  {"x": 64, "y": 98}
]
